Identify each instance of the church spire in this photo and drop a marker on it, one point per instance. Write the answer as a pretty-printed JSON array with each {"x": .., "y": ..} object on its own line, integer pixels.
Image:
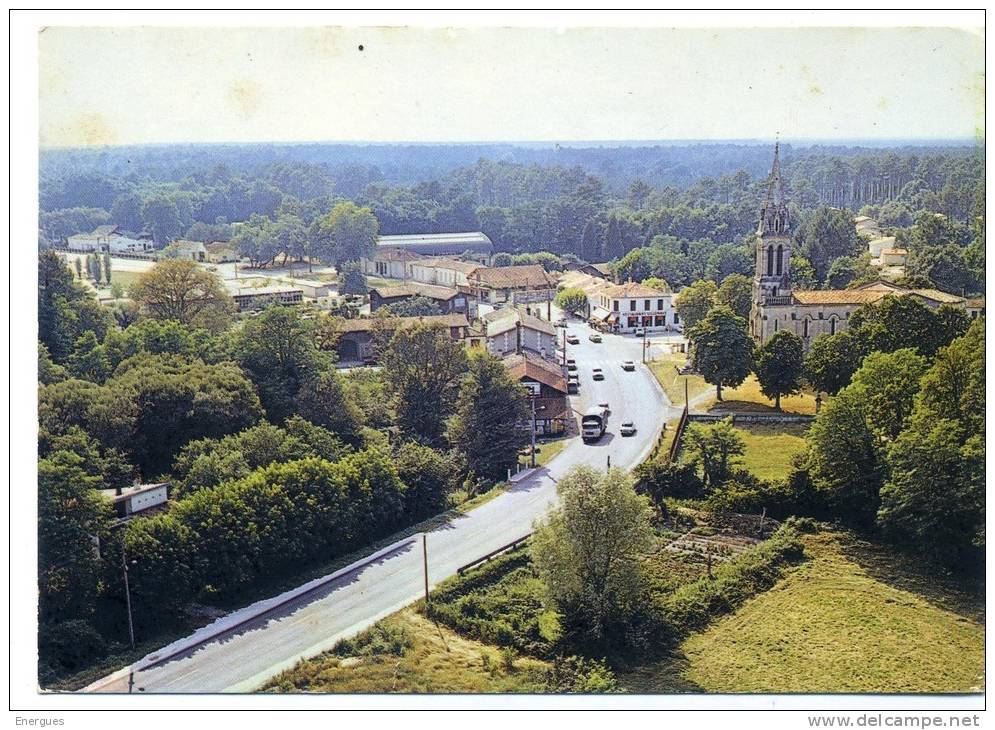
[
  {"x": 775, "y": 191},
  {"x": 774, "y": 213}
]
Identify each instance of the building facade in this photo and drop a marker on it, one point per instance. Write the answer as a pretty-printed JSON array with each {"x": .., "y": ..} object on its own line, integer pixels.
[{"x": 810, "y": 313}]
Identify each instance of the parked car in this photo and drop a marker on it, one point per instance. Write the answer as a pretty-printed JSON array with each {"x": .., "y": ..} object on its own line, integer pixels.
[
  {"x": 628, "y": 365},
  {"x": 573, "y": 339},
  {"x": 597, "y": 374},
  {"x": 571, "y": 364},
  {"x": 561, "y": 322},
  {"x": 594, "y": 337},
  {"x": 604, "y": 404},
  {"x": 572, "y": 387},
  {"x": 640, "y": 332},
  {"x": 627, "y": 429}
]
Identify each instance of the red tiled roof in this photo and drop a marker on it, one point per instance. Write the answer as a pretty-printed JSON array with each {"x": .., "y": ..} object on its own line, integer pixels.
[{"x": 510, "y": 277}]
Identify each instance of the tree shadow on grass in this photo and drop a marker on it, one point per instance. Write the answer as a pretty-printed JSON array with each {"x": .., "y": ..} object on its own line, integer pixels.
[
  {"x": 666, "y": 674},
  {"x": 960, "y": 593}
]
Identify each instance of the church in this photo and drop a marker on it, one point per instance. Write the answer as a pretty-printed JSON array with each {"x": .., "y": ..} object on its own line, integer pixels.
[{"x": 809, "y": 313}]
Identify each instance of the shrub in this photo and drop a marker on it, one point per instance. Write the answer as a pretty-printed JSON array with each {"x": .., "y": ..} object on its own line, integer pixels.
[
  {"x": 659, "y": 480},
  {"x": 383, "y": 639},
  {"x": 70, "y": 645},
  {"x": 574, "y": 674}
]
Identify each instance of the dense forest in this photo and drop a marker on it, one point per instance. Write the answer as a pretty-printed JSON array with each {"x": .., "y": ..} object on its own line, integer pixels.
[{"x": 691, "y": 208}]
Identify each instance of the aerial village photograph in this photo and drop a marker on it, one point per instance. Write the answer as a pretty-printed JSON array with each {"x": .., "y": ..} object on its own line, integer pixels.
[{"x": 528, "y": 361}]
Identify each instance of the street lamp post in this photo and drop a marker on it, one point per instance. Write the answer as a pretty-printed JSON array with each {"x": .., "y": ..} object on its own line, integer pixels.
[{"x": 127, "y": 595}]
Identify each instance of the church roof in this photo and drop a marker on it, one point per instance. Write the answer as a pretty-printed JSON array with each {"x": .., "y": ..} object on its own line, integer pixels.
[{"x": 839, "y": 296}]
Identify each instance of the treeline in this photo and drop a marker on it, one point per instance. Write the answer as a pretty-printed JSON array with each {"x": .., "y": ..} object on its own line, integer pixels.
[{"x": 597, "y": 204}]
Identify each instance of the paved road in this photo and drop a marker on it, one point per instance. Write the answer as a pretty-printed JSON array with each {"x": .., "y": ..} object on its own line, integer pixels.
[{"x": 243, "y": 659}]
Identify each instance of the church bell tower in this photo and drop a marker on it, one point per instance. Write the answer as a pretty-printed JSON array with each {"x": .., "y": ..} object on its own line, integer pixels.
[{"x": 771, "y": 276}]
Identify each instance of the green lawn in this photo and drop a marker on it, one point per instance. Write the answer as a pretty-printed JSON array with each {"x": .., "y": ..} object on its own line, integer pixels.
[
  {"x": 747, "y": 398},
  {"x": 124, "y": 278},
  {"x": 854, "y": 618},
  {"x": 770, "y": 448},
  {"x": 664, "y": 368}
]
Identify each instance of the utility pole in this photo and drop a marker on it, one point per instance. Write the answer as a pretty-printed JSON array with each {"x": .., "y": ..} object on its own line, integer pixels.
[
  {"x": 532, "y": 428},
  {"x": 127, "y": 595},
  {"x": 424, "y": 552}
]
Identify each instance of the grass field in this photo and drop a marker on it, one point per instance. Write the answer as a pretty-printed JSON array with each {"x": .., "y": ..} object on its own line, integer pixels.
[
  {"x": 409, "y": 653},
  {"x": 747, "y": 398},
  {"x": 854, "y": 618},
  {"x": 770, "y": 449},
  {"x": 124, "y": 278},
  {"x": 664, "y": 368}
]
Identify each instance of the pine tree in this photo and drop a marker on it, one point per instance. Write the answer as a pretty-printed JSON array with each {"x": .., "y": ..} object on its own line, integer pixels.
[
  {"x": 107, "y": 268},
  {"x": 590, "y": 247},
  {"x": 614, "y": 242}
]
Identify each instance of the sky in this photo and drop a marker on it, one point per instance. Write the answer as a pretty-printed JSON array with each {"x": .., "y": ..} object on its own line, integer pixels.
[{"x": 143, "y": 85}]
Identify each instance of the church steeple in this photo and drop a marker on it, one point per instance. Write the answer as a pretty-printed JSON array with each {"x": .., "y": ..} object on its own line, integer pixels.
[
  {"x": 772, "y": 278},
  {"x": 774, "y": 213}
]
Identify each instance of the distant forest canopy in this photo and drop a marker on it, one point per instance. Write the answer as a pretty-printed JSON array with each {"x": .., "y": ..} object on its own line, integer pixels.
[{"x": 595, "y": 203}]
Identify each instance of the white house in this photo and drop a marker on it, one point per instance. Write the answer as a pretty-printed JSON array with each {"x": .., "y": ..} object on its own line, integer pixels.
[
  {"x": 628, "y": 307},
  {"x": 108, "y": 239},
  {"x": 442, "y": 272}
]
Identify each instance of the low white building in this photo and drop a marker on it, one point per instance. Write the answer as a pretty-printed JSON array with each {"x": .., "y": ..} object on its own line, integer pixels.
[
  {"x": 138, "y": 498},
  {"x": 442, "y": 272},
  {"x": 627, "y": 307},
  {"x": 108, "y": 239}
]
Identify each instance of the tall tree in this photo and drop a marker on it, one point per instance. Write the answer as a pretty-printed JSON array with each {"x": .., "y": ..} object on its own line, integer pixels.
[
  {"x": 162, "y": 218},
  {"x": 934, "y": 499},
  {"x": 347, "y": 233},
  {"x": 486, "y": 427},
  {"x": 826, "y": 236},
  {"x": 779, "y": 366},
  {"x": 71, "y": 515},
  {"x": 279, "y": 351},
  {"x": 588, "y": 552},
  {"x": 718, "y": 448},
  {"x": 183, "y": 291},
  {"x": 590, "y": 246},
  {"x": 722, "y": 350},
  {"x": 736, "y": 292},
  {"x": 422, "y": 366},
  {"x": 694, "y": 302}
]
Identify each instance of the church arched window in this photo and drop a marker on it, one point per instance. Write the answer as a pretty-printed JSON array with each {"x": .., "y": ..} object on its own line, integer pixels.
[
  {"x": 770, "y": 261},
  {"x": 832, "y": 325},
  {"x": 780, "y": 260}
]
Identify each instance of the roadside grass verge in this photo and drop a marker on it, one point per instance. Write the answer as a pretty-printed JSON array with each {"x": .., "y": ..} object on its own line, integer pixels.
[
  {"x": 837, "y": 624},
  {"x": 549, "y": 450},
  {"x": 664, "y": 368},
  {"x": 771, "y": 448},
  {"x": 407, "y": 652}
]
